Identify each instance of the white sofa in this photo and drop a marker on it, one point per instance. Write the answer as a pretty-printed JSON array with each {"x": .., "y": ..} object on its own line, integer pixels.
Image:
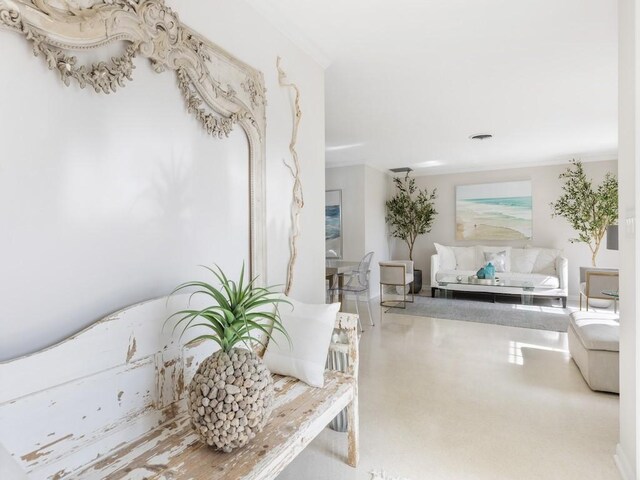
[{"x": 545, "y": 268}]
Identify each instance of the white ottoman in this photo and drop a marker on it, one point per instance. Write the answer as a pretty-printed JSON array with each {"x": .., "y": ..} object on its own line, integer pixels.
[{"x": 594, "y": 344}]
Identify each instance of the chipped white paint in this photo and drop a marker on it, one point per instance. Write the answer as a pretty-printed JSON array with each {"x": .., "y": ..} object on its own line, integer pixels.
[{"x": 111, "y": 398}]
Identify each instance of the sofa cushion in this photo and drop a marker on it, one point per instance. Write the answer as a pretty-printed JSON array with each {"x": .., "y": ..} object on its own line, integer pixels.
[
  {"x": 446, "y": 257},
  {"x": 483, "y": 250},
  {"x": 523, "y": 259},
  {"x": 546, "y": 260},
  {"x": 596, "y": 331},
  {"x": 499, "y": 260},
  {"x": 537, "y": 279},
  {"x": 465, "y": 258}
]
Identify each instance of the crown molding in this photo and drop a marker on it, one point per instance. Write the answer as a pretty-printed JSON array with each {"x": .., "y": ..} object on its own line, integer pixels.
[{"x": 289, "y": 29}]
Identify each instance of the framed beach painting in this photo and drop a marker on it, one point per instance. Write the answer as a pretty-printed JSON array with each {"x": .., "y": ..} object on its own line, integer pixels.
[
  {"x": 333, "y": 223},
  {"x": 494, "y": 211}
]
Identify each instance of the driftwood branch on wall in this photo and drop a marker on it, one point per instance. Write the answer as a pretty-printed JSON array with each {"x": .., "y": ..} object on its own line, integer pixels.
[
  {"x": 294, "y": 169},
  {"x": 219, "y": 90}
]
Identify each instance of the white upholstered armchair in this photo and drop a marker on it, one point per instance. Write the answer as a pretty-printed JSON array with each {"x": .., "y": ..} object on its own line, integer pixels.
[{"x": 396, "y": 273}]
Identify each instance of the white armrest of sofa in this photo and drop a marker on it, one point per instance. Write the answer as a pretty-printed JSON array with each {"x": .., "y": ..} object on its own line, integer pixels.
[
  {"x": 562, "y": 269},
  {"x": 435, "y": 266}
]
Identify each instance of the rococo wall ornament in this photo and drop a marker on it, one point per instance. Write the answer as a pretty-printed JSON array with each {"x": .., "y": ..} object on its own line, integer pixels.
[{"x": 219, "y": 90}]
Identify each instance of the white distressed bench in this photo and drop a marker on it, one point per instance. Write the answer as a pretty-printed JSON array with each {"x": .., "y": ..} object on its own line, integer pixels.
[{"x": 110, "y": 402}]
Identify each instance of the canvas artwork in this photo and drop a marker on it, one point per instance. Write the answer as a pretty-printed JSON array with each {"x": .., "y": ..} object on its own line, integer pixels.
[
  {"x": 494, "y": 211},
  {"x": 333, "y": 224}
]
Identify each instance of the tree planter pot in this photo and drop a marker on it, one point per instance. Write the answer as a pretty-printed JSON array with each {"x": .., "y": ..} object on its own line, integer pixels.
[
  {"x": 416, "y": 285},
  {"x": 230, "y": 398}
]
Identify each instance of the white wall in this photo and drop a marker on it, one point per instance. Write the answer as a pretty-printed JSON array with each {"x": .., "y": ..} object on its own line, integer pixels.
[
  {"x": 629, "y": 24},
  {"x": 109, "y": 200},
  {"x": 364, "y": 191},
  {"x": 547, "y": 231},
  {"x": 375, "y": 237}
]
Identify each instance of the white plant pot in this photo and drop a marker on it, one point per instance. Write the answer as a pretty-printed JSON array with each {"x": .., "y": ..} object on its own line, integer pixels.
[{"x": 600, "y": 303}]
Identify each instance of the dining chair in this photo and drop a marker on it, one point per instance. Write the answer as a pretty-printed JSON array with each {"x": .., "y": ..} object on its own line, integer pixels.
[
  {"x": 596, "y": 283},
  {"x": 356, "y": 282},
  {"x": 396, "y": 273}
]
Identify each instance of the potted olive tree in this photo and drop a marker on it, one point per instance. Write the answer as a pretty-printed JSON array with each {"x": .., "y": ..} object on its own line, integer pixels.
[
  {"x": 588, "y": 208},
  {"x": 410, "y": 213},
  {"x": 231, "y": 395}
]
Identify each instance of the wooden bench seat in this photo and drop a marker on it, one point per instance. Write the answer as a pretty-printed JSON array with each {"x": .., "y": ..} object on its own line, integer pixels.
[
  {"x": 110, "y": 403},
  {"x": 174, "y": 451}
]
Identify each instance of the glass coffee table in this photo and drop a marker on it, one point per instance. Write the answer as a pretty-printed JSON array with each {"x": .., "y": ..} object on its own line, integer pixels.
[
  {"x": 497, "y": 286},
  {"x": 615, "y": 295}
]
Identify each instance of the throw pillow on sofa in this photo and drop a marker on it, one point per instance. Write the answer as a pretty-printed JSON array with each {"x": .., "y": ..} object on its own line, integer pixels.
[
  {"x": 466, "y": 258},
  {"x": 498, "y": 260},
  {"x": 523, "y": 259},
  {"x": 546, "y": 261},
  {"x": 483, "y": 250},
  {"x": 446, "y": 257}
]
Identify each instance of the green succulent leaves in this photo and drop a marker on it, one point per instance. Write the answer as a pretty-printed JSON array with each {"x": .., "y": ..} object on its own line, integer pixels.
[{"x": 237, "y": 313}]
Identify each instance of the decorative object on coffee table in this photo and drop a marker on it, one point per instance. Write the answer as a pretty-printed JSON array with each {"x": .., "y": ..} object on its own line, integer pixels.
[
  {"x": 589, "y": 209},
  {"x": 410, "y": 213},
  {"x": 489, "y": 271},
  {"x": 481, "y": 273},
  {"x": 231, "y": 395}
]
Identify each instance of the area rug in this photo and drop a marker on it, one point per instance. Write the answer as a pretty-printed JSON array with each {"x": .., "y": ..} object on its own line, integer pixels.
[
  {"x": 381, "y": 475},
  {"x": 540, "y": 316}
]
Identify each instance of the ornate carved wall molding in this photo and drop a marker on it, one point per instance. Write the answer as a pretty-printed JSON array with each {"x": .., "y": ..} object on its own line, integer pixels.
[{"x": 219, "y": 90}]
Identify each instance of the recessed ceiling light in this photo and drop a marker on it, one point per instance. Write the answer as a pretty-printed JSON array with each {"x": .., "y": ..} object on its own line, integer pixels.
[
  {"x": 428, "y": 164},
  {"x": 343, "y": 147},
  {"x": 481, "y": 136}
]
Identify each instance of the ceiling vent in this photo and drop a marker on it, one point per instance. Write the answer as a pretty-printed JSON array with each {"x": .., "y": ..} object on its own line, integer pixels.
[
  {"x": 401, "y": 170},
  {"x": 481, "y": 136}
]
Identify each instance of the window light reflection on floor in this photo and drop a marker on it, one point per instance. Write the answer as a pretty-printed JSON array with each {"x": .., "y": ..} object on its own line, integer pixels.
[
  {"x": 540, "y": 308},
  {"x": 515, "y": 351}
]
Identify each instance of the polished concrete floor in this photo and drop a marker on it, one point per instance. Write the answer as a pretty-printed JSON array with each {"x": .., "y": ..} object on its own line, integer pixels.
[{"x": 444, "y": 399}]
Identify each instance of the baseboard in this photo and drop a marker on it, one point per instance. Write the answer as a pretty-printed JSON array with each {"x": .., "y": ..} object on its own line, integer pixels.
[{"x": 626, "y": 472}]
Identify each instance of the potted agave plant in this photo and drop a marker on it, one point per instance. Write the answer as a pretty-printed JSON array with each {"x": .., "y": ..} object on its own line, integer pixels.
[{"x": 231, "y": 395}]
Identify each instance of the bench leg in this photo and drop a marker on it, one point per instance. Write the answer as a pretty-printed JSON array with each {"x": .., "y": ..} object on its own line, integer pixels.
[{"x": 354, "y": 432}]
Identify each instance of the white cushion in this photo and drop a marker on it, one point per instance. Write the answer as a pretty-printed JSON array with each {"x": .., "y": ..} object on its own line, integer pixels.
[
  {"x": 466, "y": 258},
  {"x": 537, "y": 279},
  {"x": 498, "y": 260},
  {"x": 483, "y": 250},
  {"x": 446, "y": 257},
  {"x": 546, "y": 261},
  {"x": 597, "y": 332},
  {"x": 523, "y": 259},
  {"x": 310, "y": 328}
]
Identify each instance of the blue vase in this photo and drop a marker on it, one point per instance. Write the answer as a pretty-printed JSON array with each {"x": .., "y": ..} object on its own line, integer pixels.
[
  {"x": 490, "y": 271},
  {"x": 481, "y": 273}
]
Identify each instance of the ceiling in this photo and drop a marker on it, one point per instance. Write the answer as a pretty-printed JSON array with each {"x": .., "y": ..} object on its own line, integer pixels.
[{"x": 409, "y": 81}]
